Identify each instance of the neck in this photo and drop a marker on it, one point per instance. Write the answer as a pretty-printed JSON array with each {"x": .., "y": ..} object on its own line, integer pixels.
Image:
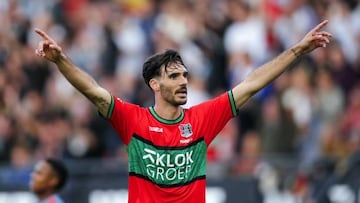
[
  {"x": 168, "y": 112},
  {"x": 44, "y": 195}
]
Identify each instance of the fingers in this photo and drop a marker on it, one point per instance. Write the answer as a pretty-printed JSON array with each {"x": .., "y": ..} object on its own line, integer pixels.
[
  {"x": 45, "y": 46},
  {"x": 319, "y": 26},
  {"x": 40, "y": 50},
  {"x": 321, "y": 41},
  {"x": 322, "y": 38},
  {"x": 326, "y": 34},
  {"x": 44, "y": 35}
]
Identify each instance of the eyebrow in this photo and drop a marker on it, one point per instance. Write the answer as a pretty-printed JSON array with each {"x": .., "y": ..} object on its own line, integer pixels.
[{"x": 177, "y": 73}]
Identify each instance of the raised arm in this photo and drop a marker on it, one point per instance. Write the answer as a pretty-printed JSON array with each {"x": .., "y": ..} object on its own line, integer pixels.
[
  {"x": 82, "y": 81},
  {"x": 271, "y": 70}
]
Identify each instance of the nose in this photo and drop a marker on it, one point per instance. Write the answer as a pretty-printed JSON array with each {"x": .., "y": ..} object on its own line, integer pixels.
[{"x": 184, "y": 80}]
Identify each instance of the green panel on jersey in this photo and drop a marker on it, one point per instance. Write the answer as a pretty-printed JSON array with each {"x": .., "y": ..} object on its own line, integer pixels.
[{"x": 167, "y": 166}]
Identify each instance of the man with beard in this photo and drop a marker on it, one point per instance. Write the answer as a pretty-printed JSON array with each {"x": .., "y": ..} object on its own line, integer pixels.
[{"x": 167, "y": 143}]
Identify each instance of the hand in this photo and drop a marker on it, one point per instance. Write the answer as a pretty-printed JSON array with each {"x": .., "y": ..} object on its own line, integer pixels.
[
  {"x": 314, "y": 39},
  {"x": 48, "y": 48}
]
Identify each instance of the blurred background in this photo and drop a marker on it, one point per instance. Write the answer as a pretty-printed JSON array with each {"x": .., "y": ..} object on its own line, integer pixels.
[{"x": 297, "y": 140}]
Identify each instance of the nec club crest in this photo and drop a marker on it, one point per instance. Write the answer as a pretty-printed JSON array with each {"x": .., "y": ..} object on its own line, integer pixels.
[{"x": 185, "y": 130}]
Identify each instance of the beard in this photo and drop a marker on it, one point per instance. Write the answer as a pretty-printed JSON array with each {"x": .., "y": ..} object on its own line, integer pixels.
[{"x": 169, "y": 96}]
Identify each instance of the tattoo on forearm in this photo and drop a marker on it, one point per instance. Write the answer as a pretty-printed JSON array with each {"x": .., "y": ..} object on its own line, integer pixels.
[
  {"x": 100, "y": 103},
  {"x": 296, "y": 54}
]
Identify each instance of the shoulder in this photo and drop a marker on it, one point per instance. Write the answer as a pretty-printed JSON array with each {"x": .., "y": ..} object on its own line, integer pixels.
[
  {"x": 123, "y": 107},
  {"x": 224, "y": 102},
  {"x": 224, "y": 98}
]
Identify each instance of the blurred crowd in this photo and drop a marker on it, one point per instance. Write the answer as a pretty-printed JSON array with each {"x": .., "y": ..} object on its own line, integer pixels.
[{"x": 311, "y": 113}]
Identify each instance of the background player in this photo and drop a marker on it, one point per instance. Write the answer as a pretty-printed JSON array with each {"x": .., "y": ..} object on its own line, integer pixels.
[{"x": 48, "y": 177}]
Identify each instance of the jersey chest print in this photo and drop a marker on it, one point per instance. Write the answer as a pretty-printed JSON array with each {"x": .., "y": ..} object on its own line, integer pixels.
[{"x": 167, "y": 166}]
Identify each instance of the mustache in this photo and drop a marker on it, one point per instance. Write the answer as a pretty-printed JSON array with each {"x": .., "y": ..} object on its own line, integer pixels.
[{"x": 181, "y": 90}]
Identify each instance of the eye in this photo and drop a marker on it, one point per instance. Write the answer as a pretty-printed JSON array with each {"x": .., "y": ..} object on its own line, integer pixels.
[{"x": 172, "y": 76}]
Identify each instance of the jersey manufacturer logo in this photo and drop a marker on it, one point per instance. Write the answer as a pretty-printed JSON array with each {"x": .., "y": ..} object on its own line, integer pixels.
[
  {"x": 186, "y": 141},
  {"x": 156, "y": 129},
  {"x": 185, "y": 130}
]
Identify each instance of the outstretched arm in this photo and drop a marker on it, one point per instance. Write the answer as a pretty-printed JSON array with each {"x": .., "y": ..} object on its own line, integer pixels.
[
  {"x": 271, "y": 70},
  {"x": 82, "y": 81}
]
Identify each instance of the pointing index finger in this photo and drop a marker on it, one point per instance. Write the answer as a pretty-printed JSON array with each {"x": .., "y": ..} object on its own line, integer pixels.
[
  {"x": 321, "y": 25},
  {"x": 43, "y": 35}
]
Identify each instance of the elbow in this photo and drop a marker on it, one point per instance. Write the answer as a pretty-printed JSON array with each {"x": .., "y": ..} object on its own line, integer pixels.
[{"x": 243, "y": 92}]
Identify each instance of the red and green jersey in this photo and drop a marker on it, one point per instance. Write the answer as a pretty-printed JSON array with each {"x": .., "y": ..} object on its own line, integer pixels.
[{"x": 167, "y": 158}]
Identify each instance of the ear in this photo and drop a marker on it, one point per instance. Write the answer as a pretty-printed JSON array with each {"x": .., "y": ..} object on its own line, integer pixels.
[
  {"x": 54, "y": 181},
  {"x": 154, "y": 84}
]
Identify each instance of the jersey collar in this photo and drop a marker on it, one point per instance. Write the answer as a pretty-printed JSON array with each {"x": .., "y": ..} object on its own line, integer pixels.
[{"x": 166, "y": 121}]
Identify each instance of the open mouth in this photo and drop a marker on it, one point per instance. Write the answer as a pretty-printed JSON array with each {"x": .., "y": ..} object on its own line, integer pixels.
[{"x": 181, "y": 92}]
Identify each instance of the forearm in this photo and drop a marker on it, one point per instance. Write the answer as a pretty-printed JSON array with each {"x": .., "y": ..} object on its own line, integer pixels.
[
  {"x": 84, "y": 83},
  {"x": 271, "y": 70},
  {"x": 77, "y": 77},
  {"x": 265, "y": 75}
]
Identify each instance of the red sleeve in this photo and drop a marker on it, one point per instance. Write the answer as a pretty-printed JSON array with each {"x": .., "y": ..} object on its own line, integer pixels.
[
  {"x": 213, "y": 115},
  {"x": 122, "y": 116}
]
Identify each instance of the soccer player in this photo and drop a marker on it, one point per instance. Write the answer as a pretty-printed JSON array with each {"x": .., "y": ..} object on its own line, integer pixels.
[
  {"x": 48, "y": 177},
  {"x": 167, "y": 143}
]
